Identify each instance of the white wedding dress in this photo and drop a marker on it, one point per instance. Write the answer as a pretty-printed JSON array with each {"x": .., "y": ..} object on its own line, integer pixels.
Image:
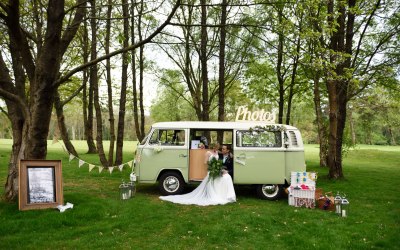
[{"x": 216, "y": 191}]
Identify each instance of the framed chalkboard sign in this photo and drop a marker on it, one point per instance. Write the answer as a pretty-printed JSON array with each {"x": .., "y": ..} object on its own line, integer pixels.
[{"x": 40, "y": 184}]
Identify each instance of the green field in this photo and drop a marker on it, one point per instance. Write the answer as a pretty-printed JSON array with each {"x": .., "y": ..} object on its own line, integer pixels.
[{"x": 100, "y": 220}]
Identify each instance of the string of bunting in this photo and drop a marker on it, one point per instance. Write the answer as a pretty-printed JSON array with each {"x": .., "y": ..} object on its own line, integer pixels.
[{"x": 92, "y": 166}]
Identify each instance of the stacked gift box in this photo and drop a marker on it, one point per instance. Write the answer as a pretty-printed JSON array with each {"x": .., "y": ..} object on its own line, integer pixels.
[{"x": 302, "y": 189}]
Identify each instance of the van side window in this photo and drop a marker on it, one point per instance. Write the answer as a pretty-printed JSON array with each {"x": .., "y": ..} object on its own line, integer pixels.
[
  {"x": 265, "y": 139},
  {"x": 168, "y": 137},
  {"x": 293, "y": 138}
]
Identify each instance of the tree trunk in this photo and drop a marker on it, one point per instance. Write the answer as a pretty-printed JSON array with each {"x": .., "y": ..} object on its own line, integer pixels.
[
  {"x": 19, "y": 132},
  {"x": 221, "y": 79},
  {"x": 293, "y": 78},
  {"x": 289, "y": 104},
  {"x": 280, "y": 74},
  {"x": 89, "y": 124},
  {"x": 320, "y": 120},
  {"x": 203, "y": 60},
  {"x": 17, "y": 119},
  {"x": 141, "y": 73},
  {"x": 352, "y": 128},
  {"x": 124, "y": 79},
  {"x": 109, "y": 85},
  {"x": 391, "y": 136},
  {"x": 341, "y": 42},
  {"x": 322, "y": 128},
  {"x": 87, "y": 98},
  {"x": 61, "y": 125},
  {"x": 42, "y": 87},
  {"x": 138, "y": 106},
  {"x": 337, "y": 171},
  {"x": 192, "y": 86},
  {"x": 332, "y": 139},
  {"x": 134, "y": 79},
  {"x": 141, "y": 101},
  {"x": 334, "y": 165},
  {"x": 95, "y": 83}
]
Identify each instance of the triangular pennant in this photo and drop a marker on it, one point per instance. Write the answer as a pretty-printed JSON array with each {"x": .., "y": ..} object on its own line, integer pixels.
[
  {"x": 100, "y": 169},
  {"x": 71, "y": 157},
  {"x": 81, "y": 162},
  {"x": 110, "y": 169},
  {"x": 131, "y": 164},
  {"x": 120, "y": 167},
  {"x": 91, "y": 166}
]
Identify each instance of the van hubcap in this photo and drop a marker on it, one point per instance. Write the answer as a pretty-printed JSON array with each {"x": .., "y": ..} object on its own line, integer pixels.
[
  {"x": 270, "y": 190},
  {"x": 171, "y": 184}
]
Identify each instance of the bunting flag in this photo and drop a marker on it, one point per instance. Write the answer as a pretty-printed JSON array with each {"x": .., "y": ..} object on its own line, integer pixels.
[
  {"x": 55, "y": 140},
  {"x": 81, "y": 162},
  {"x": 120, "y": 167},
  {"x": 91, "y": 166}
]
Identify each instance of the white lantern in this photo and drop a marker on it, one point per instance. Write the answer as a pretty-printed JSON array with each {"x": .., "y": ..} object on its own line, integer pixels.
[
  {"x": 124, "y": 191},
  {"x": 345, "y": 207},
  {"x": 338, "y": 204},
  {"x": 132, "y": 189}
]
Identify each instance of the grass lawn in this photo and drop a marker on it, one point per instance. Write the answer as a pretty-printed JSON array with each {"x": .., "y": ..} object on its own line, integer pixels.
[{"x": 100, "y": 220}]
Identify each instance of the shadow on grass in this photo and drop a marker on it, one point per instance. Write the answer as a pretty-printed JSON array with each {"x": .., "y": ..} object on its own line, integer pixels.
[{"x": 242, "y": 191}]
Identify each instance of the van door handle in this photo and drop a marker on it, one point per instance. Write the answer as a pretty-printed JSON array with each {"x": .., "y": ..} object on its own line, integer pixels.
[{"x": 182, "y": 155}]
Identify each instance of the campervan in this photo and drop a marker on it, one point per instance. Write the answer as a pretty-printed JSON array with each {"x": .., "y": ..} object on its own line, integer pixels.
[{"x": 264, "y": 154}]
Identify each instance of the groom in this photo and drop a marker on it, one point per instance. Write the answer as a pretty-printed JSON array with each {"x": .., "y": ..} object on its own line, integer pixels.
[{"x": 227, "y": 159}]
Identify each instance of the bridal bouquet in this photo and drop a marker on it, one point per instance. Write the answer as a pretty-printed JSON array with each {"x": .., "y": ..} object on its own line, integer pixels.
[{"x": 215, "y": 167}]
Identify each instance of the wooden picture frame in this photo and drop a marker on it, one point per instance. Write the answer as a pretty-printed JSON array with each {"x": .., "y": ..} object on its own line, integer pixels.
[{"x": 40, "y": 184}]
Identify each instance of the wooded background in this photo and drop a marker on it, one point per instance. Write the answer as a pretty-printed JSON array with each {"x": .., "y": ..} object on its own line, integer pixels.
[{"x": 82, "y": 70}]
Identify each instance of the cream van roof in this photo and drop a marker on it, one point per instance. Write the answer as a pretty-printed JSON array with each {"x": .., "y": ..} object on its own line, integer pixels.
[{"x": 214, "y": 125}]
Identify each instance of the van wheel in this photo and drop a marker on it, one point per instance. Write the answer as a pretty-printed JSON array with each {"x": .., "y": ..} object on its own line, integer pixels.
[
  {"x": 269, "y": 191},
  {"x": 171, "y": 183}
]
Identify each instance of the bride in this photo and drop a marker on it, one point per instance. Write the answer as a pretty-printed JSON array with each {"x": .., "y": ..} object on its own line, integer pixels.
[{"x": 211, "y": 191}]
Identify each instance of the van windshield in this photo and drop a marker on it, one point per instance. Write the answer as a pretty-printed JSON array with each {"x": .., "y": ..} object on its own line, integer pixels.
[
  {"x": 168, "y": 137},
  {"x": 259, "y": 139}
]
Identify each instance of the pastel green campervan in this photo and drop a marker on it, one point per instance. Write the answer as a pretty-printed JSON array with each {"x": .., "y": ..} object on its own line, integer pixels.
[{"x": 264, "y": 154}]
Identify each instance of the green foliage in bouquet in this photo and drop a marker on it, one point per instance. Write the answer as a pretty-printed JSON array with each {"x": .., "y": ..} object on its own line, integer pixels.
[{"x": 215, "y": 168}]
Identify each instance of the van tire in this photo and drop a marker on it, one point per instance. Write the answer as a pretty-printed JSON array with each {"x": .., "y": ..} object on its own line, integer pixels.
[
  {"x": 171, "y": 183},
  {"x": 269, "y": 191}
]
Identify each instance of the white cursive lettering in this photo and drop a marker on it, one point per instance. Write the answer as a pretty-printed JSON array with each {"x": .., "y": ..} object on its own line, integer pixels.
[{"x": 243, "y": 114}]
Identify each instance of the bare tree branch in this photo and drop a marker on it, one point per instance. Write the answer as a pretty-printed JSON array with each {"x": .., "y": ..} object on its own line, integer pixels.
[
  {"x": 15, "y": 98},
  {"x": 76, "y": 92},
  {"x": 363, "y": 33},
  {"x": 132, "y": 47}
]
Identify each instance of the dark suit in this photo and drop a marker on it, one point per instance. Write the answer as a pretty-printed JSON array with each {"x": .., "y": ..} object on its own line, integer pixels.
[{"x": 228, "y": 163}]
